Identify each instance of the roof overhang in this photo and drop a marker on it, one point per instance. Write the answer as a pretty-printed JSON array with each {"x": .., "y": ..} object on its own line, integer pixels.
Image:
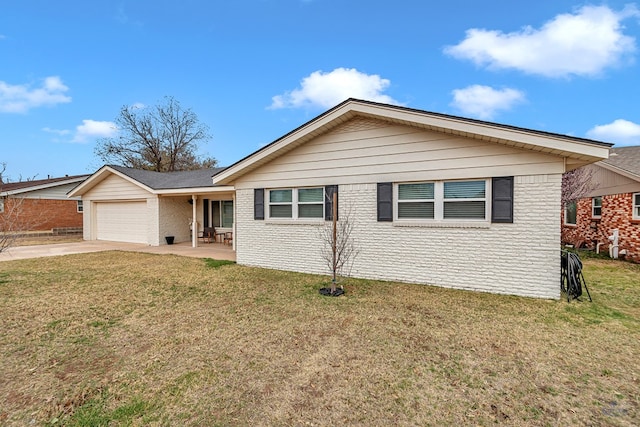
[
  {"x": 195, "y": 191},
  {"x": 106, "y": 171},
  {"x": 100, "y": 175},
  {"x": 576, "y": 151},
  {"x": 619, "y": 171},
  {"x": 43, "y": 186}
]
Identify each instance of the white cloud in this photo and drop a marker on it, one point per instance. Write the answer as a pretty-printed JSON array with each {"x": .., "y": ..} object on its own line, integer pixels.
[
  {"x": 21, "y": 98},
  {"x": 583, "y": 43},
  {"x": 620, "y": 132},
  {"x": 90, "y": 129},
  {"x": 326, "y": 90},
  {"x": 484, "y": 102},
  {"x": 138, "y": 106},
  {"x": 61, "y": 132}
]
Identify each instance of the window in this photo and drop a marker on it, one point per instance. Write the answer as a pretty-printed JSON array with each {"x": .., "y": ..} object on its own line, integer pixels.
[
  {"x": 1, "y": 205},
  {"x": 79, "y": 206},
  {"x": 281, "y": 204},
  {"x": 442, "y": 200},
  {"x": 596, "y": 207},
  {"x": 222, "y": 213},
  {"x": 416, "y": 200},
  {"x": 636, "y": 206},
  {"x": 296, "y": 203},
  {"x": 570, "y": 213},
  {"x": 464, "y": 200}
]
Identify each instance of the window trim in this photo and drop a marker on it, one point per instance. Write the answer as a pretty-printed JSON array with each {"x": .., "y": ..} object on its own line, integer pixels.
[
  {"x": 79, "y": 206},
  {"x": 294, "y": 205},
  {"x": 2, "y": 204},
  {"x": 220, "y": 211},
  {"x": 566, "y": 206},
  {"x": 399, "y": 202},
  {"x": 439, "y": 201},
  {"x": 594, "y": 207},
  {"x": 635, "y": 207}
]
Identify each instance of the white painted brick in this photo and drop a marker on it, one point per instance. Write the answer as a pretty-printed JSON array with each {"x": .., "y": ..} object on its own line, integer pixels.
[
  {"x": 174, "y": 221},
  {"x": 522, "y": 258}
]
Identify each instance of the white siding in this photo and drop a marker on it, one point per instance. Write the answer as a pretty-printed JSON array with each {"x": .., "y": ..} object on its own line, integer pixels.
[
  {"x": 368, "y": 151},
  {"x": 58, "y": 192},
  {"x": 115, "y": 189},
  {"x": 606, "y": 182},
  {"x": 522, "y": 258}
]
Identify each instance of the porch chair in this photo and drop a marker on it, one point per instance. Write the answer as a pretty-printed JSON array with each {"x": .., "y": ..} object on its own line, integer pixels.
[
  {"x": 228, "y": 238},
  {"x": 208, "y": 234}
]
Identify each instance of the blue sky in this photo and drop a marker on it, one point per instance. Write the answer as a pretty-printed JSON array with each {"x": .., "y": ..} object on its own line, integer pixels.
[{"x": 253, "y": 70}]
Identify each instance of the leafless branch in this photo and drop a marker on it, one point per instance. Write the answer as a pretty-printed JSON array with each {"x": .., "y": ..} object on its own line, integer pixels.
[
  {"x": 576, "y": 184},
  {"x": 162, "y": 138},
  {"x": 339, "y": 249}
]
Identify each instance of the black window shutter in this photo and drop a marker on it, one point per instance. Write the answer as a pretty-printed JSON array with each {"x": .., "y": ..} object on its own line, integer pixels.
[
  {"x": 329, "y": 191},
  {"x": 205, "y": 212},
  {"x": 258, "y": 203},
  {"x": 502, "y": 199},
  {"x": 385, "y": 201}
]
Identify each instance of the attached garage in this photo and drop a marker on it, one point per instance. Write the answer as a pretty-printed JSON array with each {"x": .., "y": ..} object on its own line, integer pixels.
[
  {"x": 122, "y": 221},
  {"x": 139, "y": 206}
]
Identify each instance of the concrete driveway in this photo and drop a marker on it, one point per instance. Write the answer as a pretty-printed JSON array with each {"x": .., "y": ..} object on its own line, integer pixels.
[{"x": 204, "y": 250}]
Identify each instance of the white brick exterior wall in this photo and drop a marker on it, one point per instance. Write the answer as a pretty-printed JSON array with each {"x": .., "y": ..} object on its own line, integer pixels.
[
  {"x": 175, "y": 216},
  {"x": 522, "y": 258}
]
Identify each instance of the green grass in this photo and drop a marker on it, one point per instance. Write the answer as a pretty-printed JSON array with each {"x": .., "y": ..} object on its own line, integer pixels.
[
  {"x": 123, "y": 339},
  {"x": 95, "y": 413},
  {"x": 217, "y": 263}
]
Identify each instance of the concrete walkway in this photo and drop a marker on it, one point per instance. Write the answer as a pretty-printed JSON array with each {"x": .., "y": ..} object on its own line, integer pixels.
[{"x": 204, "y": 250}]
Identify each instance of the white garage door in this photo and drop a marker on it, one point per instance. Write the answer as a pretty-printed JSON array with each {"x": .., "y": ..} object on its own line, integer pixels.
[{"x": 122, "y": 221}]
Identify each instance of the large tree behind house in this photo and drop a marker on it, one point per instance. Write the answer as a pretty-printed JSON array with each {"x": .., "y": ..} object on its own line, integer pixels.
[{"x": 160, "y": 138}]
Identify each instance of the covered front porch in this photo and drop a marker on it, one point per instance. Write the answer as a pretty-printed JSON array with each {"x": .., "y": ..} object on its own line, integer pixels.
[{"x": 203, "y": 219}]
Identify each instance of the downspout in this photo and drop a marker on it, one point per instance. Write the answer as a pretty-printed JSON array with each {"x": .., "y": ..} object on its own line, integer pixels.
[{"x": 194, "y": 222}]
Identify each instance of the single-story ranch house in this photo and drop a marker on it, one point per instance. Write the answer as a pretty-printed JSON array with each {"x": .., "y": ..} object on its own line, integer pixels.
[{"x": 434, "y": 199}]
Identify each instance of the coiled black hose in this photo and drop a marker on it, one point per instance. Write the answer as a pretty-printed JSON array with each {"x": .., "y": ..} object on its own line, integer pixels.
[{"x": 572, "y": 279}]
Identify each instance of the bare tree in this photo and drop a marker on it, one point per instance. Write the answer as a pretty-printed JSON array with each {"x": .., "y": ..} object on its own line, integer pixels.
[
  {"x": 576, "y": 184},
  {"x": 13, "y": 222},
  {"x": 10, "y": 222},
  {"x": 8, "y": 217},
  {"x": 339, "y": 249},
  {"x": 162, "y": 138}
]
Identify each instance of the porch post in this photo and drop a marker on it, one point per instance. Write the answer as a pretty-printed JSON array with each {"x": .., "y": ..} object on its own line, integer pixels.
[
  {"x": 194, "y": 222},
  {"x": 235, "y": 235}
]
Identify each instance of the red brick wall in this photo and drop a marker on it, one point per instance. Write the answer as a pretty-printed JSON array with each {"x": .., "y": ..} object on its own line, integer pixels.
[
  {"x": 616, "y": 213},
  {"x": 43, "y": 214}
]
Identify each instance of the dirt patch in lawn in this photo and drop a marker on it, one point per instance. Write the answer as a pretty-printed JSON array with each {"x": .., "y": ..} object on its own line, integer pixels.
[{"x": 131, "y": 338}]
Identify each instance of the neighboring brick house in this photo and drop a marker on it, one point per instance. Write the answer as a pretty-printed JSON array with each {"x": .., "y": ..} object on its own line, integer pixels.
[
  {"x": 613, "y": 203},
  {"x": 41, "y": 205}
]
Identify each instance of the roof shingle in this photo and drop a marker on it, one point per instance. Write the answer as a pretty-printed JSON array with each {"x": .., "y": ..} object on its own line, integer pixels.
[
  {"x": 625, "y": 158},
  {"x": 171, "y": 180}
]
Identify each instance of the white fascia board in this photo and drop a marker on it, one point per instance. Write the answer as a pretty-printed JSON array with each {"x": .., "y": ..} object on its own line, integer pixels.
[
  {"x": 41, "y": 187},
  {"x": 272, "y": 150},
  {"x": 99, "y": 176},
  {"x": 549, "y": 143},
  {"x": 565, "y": 146},
  {"x": 195, "y": 190}
]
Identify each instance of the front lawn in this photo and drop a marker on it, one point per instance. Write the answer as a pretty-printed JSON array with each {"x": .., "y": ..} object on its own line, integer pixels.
[{"x": 121, "y": 338}]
